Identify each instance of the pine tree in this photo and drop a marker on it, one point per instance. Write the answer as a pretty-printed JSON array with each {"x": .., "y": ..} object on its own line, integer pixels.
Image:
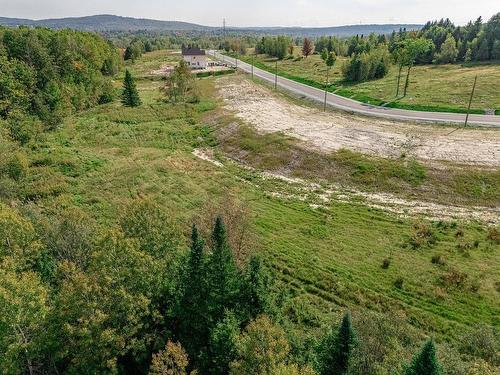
[
  {"x": 483, "y": 50},
  {"x": 129, "y": 53},
  {"x": 130, "y": 96},
  {"x": 193, "y": 330},
  {"x": 495, "y": 52},
  {"x": 425, "y": 362},
  {"x": 224, "y": 278},
  {"x": 336, "y": 348},
  {"x": 257, "y": 289}
]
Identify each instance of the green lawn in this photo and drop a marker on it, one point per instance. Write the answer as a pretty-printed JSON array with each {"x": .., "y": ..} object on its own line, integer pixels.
[
  {"x": 103, "y": 159},
  {"x": 432, "y": 87}
]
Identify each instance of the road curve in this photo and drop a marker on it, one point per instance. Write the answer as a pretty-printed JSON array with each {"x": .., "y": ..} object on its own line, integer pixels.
[{"x": 354, "y": 106}]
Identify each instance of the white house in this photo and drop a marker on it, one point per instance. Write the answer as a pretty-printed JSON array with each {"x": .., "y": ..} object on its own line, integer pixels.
[{"x": 195, "y": 57}]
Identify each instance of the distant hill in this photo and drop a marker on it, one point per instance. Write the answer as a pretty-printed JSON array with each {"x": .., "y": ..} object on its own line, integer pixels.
[
  {"x": 106, "y": 22},
  {"x": 101, "y": 23},
  {"x": 341, "y": 31}
]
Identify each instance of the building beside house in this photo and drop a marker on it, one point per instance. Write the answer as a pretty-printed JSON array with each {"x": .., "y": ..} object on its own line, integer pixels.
[{"x": 195, "y": 57}]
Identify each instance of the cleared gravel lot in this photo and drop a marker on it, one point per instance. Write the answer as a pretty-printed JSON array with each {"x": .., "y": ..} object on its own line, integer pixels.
[{"x": 271, "y": 112}]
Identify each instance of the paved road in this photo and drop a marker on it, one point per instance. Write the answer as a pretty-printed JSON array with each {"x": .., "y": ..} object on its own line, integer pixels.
[{"x": 350, "y": 105}]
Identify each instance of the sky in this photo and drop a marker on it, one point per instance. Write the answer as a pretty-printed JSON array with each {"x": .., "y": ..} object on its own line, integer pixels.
[{"x": 261, "y": 12}]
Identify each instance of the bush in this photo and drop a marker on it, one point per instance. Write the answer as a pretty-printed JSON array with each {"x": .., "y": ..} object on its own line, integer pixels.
[
  {"x": 422, "y": 236},
  {"x": 454, "y": 279},
  {"x": 24, "y": 128},
  {"x": 17, "y": 167},
  {"x": 439, "y": 260},
  {"x": 482, "y": 342},
  {"x": 493, "y": 235},
  {"x": 386, "y": 263},
  {"x": 398, "y": 283}
]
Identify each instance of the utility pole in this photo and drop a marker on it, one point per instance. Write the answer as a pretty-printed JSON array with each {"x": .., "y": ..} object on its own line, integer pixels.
[
  {"x": 470, "y": 101},
  {"x": 326, "y": 87},
  {"x": 276, "y": 76},
  {"x": 253, "y": 57}
]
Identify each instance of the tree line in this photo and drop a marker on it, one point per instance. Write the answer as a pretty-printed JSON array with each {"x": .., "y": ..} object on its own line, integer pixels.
[
  {"x": 370, "y": 57},
  {"x": 46, "y": 74}
]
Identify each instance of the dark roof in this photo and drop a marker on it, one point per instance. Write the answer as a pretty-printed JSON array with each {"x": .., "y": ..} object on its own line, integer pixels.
[{"x": 192, "y": 51}]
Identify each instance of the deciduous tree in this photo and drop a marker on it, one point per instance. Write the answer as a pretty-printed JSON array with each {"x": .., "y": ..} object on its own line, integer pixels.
[
  {"x": 173, "y": 360},
  {"x": 307, "y": 47}
]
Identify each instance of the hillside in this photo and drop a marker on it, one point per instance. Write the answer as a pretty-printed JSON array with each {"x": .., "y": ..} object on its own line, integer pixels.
[
  {"x": 118, "y": 23},
  {"x": 105, "y": 23}
]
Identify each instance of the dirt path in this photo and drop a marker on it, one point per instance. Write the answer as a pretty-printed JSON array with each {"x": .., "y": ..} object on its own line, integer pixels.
[{"x": 268, "y": 112}]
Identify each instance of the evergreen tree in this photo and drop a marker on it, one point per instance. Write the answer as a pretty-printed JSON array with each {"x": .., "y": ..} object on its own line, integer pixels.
[
  {"x": 129, "y": 53},
  {"x": 483, "y": 50},
  {"x": 148, "y": 47},
  {"x": 223, "y": 277},
  {"x": 495, "y": 52},
  {"x": 336, "y": 348},
  {"x": 257, "y": 289},
  {"x": 193, "y": 330},
  {"x": 130, "y": 96},
  {"x": 425, "y": 362}
]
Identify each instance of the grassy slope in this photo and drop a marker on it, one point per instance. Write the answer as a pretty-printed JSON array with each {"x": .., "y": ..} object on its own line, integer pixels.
[
  {"x": 102, "y": 159},
  {"x": 432, "y": 87}
]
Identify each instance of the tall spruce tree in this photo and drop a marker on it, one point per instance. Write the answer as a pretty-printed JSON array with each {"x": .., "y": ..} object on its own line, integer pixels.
[
  {"x": 193, "y": 331},
  {"x": 257, "y": 296},
  {"x": 336, "y": 348},
  {"x": 223, "y": 278},
  {"x": 130, "y": 96},
  {"x": 425, "y": 362}
]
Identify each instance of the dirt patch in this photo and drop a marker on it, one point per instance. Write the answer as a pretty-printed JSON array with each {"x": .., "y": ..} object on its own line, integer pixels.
[
  {"x": 321, "y": 195},
  {"x": 269, "y": 112}
]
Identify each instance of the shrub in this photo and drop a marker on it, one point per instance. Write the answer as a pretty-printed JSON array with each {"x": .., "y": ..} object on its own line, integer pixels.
[
  {"x": 494, "y": 235},
  {"x": 24, "y": 128},
  {"x": 454, "y": 279},
  {"x": 386, "y": 263},
  {"x": 398, "y": 283},
  {"x": 17, "y": 167},
  {"x": 481, "y": 342},
  {"x": 439, "y": 260},
  {"x": 422, "y": 235}
]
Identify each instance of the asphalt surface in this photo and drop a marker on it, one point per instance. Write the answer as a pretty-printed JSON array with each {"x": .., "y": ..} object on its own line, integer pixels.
[{"x": 354, "y": 106}]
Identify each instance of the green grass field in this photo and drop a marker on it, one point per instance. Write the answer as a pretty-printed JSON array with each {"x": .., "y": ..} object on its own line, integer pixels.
[
  {"x": 103, "y": 159},
  {"x": 432, "y": 87}
]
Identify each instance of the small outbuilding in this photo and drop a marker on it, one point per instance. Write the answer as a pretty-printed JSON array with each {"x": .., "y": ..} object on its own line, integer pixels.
[{"x": 195, "y": 57}]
